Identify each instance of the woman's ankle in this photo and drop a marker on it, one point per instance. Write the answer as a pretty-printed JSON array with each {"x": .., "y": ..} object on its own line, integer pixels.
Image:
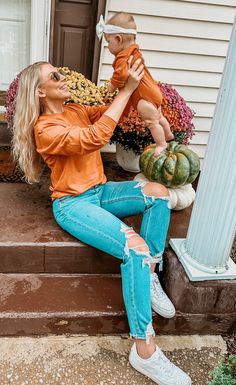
[{"x": 145, "y": 350}]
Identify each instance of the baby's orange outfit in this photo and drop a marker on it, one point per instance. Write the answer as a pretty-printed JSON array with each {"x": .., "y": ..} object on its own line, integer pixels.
[
  {"x": 147, "y": 88},
  {"x": 70, "y": 143}
]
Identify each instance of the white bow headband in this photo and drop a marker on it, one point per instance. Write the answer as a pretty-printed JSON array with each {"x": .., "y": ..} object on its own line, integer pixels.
[{"x": 102, "y": 28}]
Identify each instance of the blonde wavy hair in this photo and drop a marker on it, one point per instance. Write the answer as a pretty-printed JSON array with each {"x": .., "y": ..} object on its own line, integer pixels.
[{"x": 27, "y": 111}]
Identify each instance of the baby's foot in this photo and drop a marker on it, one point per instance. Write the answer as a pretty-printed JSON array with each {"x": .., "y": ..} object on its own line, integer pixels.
[{"x": 159, "y": 148}]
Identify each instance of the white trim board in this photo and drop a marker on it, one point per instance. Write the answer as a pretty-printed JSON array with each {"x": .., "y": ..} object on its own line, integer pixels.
[{"x": 40, "y": 27}]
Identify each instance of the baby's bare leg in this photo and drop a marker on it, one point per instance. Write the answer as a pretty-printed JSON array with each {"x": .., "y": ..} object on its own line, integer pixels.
[
  {"x": 151, "y": 116},
  {"x": 166, "y": 127}
]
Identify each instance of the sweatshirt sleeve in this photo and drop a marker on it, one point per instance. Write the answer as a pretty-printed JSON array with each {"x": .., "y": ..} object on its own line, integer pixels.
[
  {"x": 95, "y": 112},
  {"x": 59, "y": 138}
]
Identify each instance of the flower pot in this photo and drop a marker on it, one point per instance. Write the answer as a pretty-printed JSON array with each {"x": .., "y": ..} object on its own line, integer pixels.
[
  {"x": 9, "y": 171},
  {"x": 127, "y": 159},
  {"x": 5, "y": 133}
]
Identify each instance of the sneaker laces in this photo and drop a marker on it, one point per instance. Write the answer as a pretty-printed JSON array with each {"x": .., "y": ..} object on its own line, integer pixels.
[
  {"x": 156, "y": 287},
  {"x": 165, "y": 364}
]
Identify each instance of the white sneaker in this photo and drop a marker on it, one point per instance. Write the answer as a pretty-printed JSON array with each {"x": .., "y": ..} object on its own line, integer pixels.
[
  {"x": 161, "y": 304},
  {"x": 158, "y": 368}
]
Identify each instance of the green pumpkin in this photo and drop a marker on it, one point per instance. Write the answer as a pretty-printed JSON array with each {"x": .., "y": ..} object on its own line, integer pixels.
[{"x": 175, "y": 166}]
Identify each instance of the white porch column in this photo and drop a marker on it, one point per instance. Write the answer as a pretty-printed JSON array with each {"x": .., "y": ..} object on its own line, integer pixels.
[{"x": 205, "y": 252}]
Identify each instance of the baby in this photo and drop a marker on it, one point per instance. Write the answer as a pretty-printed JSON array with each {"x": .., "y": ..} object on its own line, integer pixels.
[{"x": 120, "y": 33}]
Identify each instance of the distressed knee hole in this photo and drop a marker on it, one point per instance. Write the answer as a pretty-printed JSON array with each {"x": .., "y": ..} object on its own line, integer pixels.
[
  {"x": 155, "y": 189},
  {"x": 134, "y": 241},
  {"x": 137, "y": 243}
]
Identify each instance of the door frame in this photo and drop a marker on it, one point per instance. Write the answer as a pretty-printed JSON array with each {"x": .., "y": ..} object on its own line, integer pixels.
[
  {"x": 97, "y": 45},
  {"x": 39, "y": 30}
]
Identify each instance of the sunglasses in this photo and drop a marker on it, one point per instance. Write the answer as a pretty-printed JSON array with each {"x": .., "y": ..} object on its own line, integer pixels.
[{"x": 55, "y": 76}]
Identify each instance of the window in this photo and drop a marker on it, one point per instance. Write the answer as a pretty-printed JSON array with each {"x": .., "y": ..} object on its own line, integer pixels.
[
  {"x": 23, "y": 37},
  {"x": 14, "y": 39}
]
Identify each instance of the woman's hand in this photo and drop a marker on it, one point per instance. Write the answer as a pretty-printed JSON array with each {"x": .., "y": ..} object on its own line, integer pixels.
[
  {"x": 111, "y": 88},
  {"x": 136, "y": 73}
]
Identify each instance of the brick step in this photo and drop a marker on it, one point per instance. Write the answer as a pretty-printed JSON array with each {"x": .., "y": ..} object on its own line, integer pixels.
[
  {"x": 57, "y": 304},
  {"x": 42, "y": 304},
  {"x": 55, "y": 257}
]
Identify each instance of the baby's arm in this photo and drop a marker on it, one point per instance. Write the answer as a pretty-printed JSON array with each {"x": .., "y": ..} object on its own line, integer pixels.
[{"x": 120, "y": 74}]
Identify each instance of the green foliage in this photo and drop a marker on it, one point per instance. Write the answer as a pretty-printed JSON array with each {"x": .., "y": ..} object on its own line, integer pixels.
[{"x": 225, "y": 373}]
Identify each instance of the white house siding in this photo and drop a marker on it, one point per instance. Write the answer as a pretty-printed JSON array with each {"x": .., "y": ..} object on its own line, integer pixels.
[{"x": 184, "y": 43}]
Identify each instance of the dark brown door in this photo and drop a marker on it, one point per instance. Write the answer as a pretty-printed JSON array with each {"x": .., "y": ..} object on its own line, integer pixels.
[{"x": 73, "y": 34}]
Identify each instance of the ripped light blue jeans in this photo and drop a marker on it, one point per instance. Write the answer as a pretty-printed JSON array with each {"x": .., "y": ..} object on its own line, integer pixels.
[{"x": 93, "y": 218}]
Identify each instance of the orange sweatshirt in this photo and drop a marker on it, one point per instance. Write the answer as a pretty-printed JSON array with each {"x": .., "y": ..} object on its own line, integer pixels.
[
  {"x": 70, "y": 144},
  {"x": 147, "y": 88}
]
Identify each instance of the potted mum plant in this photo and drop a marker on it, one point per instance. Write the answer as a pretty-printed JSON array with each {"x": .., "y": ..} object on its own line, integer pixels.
[{"x": 9, "y": 170}]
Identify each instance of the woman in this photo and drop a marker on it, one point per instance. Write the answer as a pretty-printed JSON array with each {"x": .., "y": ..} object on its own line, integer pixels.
[{"x": 69, "y": 138}]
